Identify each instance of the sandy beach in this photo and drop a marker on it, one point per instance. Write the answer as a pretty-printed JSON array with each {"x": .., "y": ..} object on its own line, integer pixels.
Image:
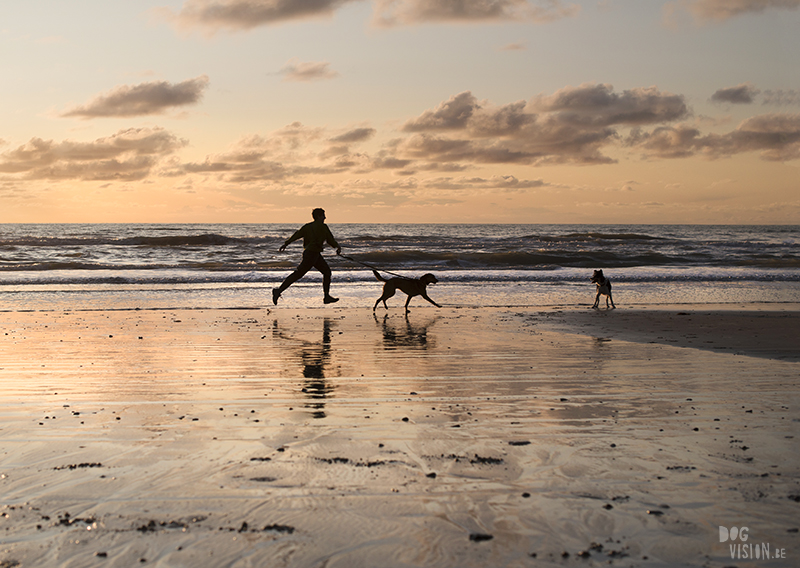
[{"x": 451, "y": 437}]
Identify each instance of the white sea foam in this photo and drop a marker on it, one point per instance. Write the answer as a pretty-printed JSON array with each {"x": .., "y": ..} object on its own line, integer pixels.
[{"x": 132, "y": 266}]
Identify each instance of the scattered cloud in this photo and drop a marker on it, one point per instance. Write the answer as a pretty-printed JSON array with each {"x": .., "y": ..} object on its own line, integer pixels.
[
  {"x": 744, "y": 94},
  {"x": 584, "y": 125},
  {"x": 721, "y": 10},
  {"x": 572, "y": 125},
  {"x": 452, "y": 114},
  {"x": 776, "y": 136},
  {"x": 600, "y": 105},
  {"x": 285, "y": 154},
  {"x": 354, "y": 135},
  {"x": 399, "y": 12},
  {"x": 128, "y": 155},
  {"x": 303, "y": 71},
  {"x": 143, "y": 99},
  {"x": 507, "y": 183},
  {"x": 239, "y": 15},
  {"x": 780, "y": 97},
  {"x": 340, "y": 145}
]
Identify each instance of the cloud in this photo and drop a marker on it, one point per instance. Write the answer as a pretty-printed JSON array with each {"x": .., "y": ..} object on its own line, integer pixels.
[
  {"x": 241, "y": 15},
  {"x": 781, "y": 97},
  {"x": 452, "y": 114},
  {"x": 237, "y": 15},
  {"x": 600, "y": 105},
  {"x": 519, "y": 46},
  {"x": 354, "y": 135},
  {"x": 340, "y": 145},
  {"x": 507, "y": 183},
  {"x": 446, "y": 145},
  {"x": 666, "y": 141},
  {"x": 740, "y": 94},
  {"x": 283, "y": 155},
  {"x": 307, "y": 71},
  {"x": 721, "y": 10},
  {"x": 572, "y": 125},
  {"x": 126, "y": 156},
  {"x": 142, "y": 99},
  {"x": 776, "y": 136},
  {"x": 580, "y": 125},
  {"x": 398, "y": 12}
]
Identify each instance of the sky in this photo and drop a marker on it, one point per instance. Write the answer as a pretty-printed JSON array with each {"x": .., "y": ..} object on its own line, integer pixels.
[{"x": 400, "y": 111}]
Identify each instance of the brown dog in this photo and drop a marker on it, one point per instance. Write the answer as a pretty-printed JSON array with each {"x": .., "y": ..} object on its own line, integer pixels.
[{"x": 411, "y": 286}]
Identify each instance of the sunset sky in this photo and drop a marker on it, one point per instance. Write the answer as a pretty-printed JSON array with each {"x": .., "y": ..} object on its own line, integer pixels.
[{"x": 462, "y": 111}]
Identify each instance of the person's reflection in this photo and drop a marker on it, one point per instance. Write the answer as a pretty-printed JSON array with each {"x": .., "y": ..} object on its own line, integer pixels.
[
  {"x": 314, "y": 358},
  {"x": 407, "y": 334}
]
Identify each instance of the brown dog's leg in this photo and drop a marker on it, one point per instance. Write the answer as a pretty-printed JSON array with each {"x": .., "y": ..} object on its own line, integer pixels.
[
  {"x": 424, "y": 295},
  {"x": 388, "y": 292}
]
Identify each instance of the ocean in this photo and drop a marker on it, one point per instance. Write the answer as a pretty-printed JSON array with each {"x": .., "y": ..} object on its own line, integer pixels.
[{"x": 159, "y": 266}]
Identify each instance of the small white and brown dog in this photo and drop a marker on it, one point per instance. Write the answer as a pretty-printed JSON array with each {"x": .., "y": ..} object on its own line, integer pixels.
[{"x": 603, "y": 288}]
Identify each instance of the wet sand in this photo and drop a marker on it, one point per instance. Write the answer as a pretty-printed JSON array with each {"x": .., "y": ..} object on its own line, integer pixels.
[{"x": 453, "y": 437}]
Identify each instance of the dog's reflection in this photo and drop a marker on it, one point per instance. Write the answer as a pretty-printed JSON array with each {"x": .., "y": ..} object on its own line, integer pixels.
[
  {"x": 314, "y": 358},
  {"x": 405, "y": 334}
]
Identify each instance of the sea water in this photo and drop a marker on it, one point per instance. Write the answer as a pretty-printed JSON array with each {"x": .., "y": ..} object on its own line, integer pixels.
[{"x": 149, "y": 266}]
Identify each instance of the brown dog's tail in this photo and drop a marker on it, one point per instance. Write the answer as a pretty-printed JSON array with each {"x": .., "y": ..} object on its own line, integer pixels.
[{"x": 378, "y": 276}]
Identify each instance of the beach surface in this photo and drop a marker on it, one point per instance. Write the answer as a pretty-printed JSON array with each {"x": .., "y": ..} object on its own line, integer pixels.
[{"x": 335, "y": 437}]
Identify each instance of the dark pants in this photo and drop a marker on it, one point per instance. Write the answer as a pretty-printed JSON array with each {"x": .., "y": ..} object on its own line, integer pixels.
[{"x": 311, "y": 259}]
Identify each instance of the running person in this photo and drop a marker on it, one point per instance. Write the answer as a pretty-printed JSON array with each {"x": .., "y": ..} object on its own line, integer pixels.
[{"x": 314, "y": 235}]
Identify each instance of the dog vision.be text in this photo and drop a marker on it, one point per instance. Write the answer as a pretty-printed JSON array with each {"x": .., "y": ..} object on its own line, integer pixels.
[{"x": 744, "y": 550}]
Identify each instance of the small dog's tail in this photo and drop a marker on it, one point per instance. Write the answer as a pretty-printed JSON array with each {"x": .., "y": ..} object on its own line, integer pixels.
[{"x": 378, "y": 276}]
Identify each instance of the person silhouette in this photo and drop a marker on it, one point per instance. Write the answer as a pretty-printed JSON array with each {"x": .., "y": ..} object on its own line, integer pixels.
[{"x": 314, "y": 235}]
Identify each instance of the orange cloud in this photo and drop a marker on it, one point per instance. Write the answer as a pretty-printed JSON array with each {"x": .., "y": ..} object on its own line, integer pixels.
[{"x": 307, "y": 71}]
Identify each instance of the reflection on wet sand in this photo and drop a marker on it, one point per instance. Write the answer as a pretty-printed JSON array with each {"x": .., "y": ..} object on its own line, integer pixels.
[
  {"x": 406, "y": 334},
  {"x": 314, "y": 358},
  {"x": 187, "y": 438}
]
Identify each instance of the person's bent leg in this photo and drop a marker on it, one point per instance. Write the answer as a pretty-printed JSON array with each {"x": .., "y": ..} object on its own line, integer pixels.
[{"x": 305, "y": 265}]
